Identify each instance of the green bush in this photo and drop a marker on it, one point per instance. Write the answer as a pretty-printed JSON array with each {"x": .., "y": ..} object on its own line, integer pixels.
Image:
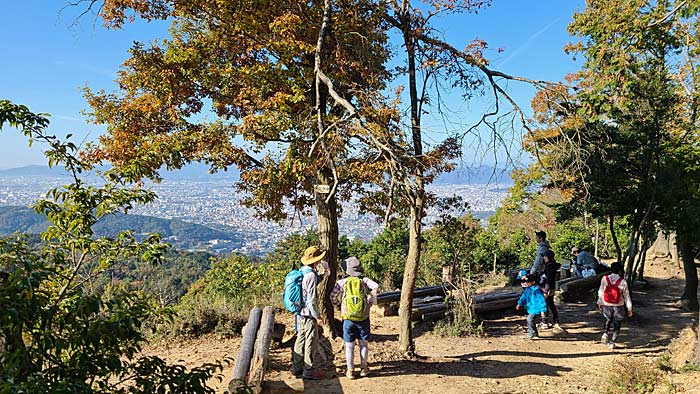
[
  {"x": 59, "y": 335},
  {"x": 221, "y": 300}
]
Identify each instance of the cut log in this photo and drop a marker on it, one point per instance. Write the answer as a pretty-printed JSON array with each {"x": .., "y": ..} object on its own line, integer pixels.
[
  {"x": 560, "y": 283},
  {"x": 261, "y": 357},
  {"x": 488, "y": 297},
  {"x": 417, "y": 313},
  {"x": 395, "y": 296},
  {"x": 432, "y": 316},
  {"x": 245, "y": 353},
  {"x": 428, "y": 300},
  {"x": 580, "y": 289},
  {"x": 496, "y": 305}
]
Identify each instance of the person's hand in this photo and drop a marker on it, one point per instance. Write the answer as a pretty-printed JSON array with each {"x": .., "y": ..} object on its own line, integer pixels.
[
  {"x": 517, "y": 307},
  {"x": 629, "y": 313},
  {"x": 600, "y": 307}
]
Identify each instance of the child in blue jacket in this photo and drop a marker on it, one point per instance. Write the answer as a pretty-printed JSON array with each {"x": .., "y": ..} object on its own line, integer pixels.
[{"x": 533, "y": 298}]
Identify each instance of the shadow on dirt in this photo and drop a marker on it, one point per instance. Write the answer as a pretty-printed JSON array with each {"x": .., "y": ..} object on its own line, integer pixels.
[{"x": 487, "y": 369}]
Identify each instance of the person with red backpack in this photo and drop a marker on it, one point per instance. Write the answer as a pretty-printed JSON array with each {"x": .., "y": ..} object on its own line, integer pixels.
[
  {"x": 613, "y": 298},
  {"x": 355, "y": 294}
]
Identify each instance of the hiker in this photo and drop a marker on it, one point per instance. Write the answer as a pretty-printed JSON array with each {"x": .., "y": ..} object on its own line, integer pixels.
[
  {"x": 355, "y": 294},
  {"x": 542, "y": 247},
  {"x": 533, "y": 298},
  {"x": 306, "y": 345},
  {"x": 613, "y": 298},
  {"x": 548, "y": 286},
  {"x": 584, "y": 261}
]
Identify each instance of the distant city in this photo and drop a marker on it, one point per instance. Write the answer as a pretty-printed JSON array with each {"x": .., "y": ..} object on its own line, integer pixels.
[{"x": 216, "y": 204}]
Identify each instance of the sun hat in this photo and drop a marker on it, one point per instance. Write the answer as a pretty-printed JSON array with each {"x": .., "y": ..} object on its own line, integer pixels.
[
  {"x": 352, "y": 266},
  {"x": 312, "y": 254}
]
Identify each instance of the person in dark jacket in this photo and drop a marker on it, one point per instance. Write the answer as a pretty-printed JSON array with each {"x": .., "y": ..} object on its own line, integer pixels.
[{"x": 548, "y": 285}]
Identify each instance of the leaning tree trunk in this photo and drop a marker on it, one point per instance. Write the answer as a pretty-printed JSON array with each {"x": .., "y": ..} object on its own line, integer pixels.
[
  {"x": 406, "y": 343},
  {"x": 689, "y": 299},
  {"x": 327, "y": 214}
]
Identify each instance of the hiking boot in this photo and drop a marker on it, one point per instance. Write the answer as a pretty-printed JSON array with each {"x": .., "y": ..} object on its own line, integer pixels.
[
  {"x": 364, "y": 372},
  {"x": 604, "y": 338},
  {"x": 558, "y": 329},
  {"x": 533, "y": 337},
  {"x": 349, "y": 374},
  {"x": 611, "y": 345},
  {"x": 542, "y": 326},
  {"x": 297, "y": 373},
  {"x": 314, "y": 375}
]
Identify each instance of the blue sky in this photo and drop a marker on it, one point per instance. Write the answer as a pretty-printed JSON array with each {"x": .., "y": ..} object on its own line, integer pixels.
[{"x": 46, "y": 63}]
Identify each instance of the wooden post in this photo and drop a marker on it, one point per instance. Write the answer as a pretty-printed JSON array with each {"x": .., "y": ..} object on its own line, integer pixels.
[
  {"x": 245, "y": 353},
  {"x": 261, "y": 357}
]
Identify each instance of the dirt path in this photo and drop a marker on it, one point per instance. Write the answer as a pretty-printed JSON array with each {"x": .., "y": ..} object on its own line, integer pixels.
[{"x": 501, "y": 362}]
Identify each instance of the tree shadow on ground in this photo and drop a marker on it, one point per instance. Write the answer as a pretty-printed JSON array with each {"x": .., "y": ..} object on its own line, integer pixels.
[{"x": 486, "y": 369}]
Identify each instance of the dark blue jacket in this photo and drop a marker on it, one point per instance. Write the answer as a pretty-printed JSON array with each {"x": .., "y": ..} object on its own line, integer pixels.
[{"x": 534, "y": 299}]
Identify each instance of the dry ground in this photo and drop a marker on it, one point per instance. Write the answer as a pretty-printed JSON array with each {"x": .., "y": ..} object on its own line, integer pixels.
[{"x": 500, "y": 362}]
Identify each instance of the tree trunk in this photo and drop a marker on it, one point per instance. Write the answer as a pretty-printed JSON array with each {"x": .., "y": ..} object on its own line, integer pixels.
[
  {"x": 416, "y": 197},
  {"x": 618, "y": 249},
  {"x": 689, "y": 299},
  {"x": 406, "y": 344},
  {"x": 327, "y": 214}
]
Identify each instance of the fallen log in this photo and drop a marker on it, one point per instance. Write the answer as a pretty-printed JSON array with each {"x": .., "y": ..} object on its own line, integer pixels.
[
  {"x": 580, "y": 289},
  {"x": 395, "y": 296},
  {"x": 432, "y": 316},
  {"x": 427, "y": 300},
  {"x": 261, "y": 357},
  {"x": 496, "y": 305},
  {"x": 417, "y": 313},
  {"x": 560, "y": 283},
  {"x": 245, "y": 353},
  {"x": 488, "y": 297}
]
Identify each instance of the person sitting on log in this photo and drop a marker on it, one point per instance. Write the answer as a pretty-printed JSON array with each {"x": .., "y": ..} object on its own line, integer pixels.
[
  {"x": 355, "y": 294},
  {"x": 533, "y": 298},
  {"x": 584, "y": 261}
]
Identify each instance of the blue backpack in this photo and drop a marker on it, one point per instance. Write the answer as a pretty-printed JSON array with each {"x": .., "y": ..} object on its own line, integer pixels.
[{"x": 292, "y": 290}]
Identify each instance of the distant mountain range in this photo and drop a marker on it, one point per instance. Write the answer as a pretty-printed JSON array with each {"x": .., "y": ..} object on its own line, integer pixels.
[
  {"x": 200, "y": 172},
  {"x": 181, "y": 235}
]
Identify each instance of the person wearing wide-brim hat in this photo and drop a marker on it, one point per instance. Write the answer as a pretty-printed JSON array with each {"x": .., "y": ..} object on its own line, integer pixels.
[
  {"x": 306, "y": 344},
  {"x": 356, "y": 325}
]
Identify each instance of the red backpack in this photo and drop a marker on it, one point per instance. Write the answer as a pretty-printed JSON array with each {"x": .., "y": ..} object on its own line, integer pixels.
[{"x": 611, "y": 294}]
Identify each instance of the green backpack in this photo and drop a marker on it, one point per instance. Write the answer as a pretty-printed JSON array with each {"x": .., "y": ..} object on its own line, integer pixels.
[{"x": 354, "y": 300}]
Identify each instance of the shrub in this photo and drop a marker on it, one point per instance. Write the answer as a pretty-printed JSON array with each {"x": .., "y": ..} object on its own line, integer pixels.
[
  {"x": 220, "y": 301},
  {"x": 59, "y": 335},
  {"x": 633, "y": 375},
  {"x": 461, "y": 321}
]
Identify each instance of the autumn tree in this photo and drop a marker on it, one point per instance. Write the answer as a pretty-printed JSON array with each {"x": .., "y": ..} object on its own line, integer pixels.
[
  {"x": 251, "y": 65},
  {"x": 429, "y": 64}
]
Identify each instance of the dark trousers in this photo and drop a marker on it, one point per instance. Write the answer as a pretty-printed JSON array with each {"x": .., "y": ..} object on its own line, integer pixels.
[
  {"x": 552, "y": 308},
  {"x": 614, "y": 315}
]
